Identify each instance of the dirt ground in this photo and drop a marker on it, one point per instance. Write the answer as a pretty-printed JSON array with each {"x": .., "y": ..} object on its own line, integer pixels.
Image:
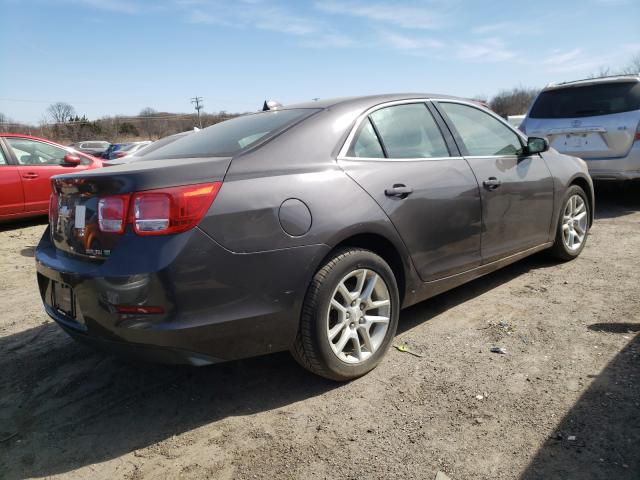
[{"x": 563, "y": 403}]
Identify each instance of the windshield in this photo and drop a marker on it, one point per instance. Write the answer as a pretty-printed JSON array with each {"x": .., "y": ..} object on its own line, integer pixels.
[
  {"x": 587, "y": 101},
  {"x": 228, "y": 138}
]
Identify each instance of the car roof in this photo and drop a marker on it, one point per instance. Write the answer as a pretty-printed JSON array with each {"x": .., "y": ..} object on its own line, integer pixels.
[
  {"x": 367, "y": 99},
  {"x": 594, "y": 81}
]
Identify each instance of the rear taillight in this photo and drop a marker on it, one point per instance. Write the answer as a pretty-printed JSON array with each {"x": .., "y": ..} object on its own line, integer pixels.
[
  {"x": 53, "y": 206},
  {"x": 120, "y": 154},
  {"x": 157, "y": 212},
  {"x": 112, "y": 213},
  {"x": 171, "y": 210},
  {"x": 637, "y": 137}
]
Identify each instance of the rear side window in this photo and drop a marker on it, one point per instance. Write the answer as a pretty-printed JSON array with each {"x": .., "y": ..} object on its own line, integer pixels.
[
  {"x": 482, "y": 134},
  {"x": 590, "y": 100},
  {"x": 409, "y": 131},
  {"x": 3, "y": 161},
  {"x": 231, "y": 136},
  {"x": 367, "y": 145}
]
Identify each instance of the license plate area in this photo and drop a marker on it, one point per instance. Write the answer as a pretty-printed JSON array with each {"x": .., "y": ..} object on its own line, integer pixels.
[{"x": 63, "y": 299}]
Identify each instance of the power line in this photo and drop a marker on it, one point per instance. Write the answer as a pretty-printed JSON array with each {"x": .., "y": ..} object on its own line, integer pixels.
[{"x": 198, "y": 103}]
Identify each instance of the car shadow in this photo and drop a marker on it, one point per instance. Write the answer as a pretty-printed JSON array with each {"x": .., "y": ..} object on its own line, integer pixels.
[
  {"x": 23, "y": 223},
  {"x": 616, "y": 199},
  {"x": 80, "y": 407},
  {"x": 599, "y": 438},
  {"x": 28, "y": 251},
  {"x": 417, "y": 314}
]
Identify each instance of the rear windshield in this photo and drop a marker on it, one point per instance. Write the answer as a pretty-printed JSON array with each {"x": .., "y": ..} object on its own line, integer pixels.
[
  {"x": 160, "y": 143},
  {"x": 587, "y": 101},
  {"x": 228, "y": 138}
]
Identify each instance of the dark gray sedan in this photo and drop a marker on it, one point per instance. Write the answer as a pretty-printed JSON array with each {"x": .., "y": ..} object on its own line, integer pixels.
[{"x": 303, "y": 228}]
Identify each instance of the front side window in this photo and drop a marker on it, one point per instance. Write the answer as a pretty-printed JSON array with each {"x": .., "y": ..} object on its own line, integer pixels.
[
  {"x": 482, "y": 134},
  {"x": 409, "y": 131},
  {"x": 32, "y": 152},
  {"x": 367, "y": 145}
]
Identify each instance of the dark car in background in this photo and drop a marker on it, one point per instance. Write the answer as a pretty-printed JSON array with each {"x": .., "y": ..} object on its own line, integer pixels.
[
  {"x": 304, "y": 228},
  {"x": 145, "y": 150},
  {"x": 125, "y": 149},
  {"x": 597, "y": 119},
  {"x": 93, "y": 147}
]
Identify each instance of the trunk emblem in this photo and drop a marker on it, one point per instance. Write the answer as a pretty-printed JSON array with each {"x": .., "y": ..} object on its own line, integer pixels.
[{"x": 576, "y": 123}]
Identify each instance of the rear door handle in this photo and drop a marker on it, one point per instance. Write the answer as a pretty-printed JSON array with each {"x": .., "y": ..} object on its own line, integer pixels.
[
  {"x": 30, "y": 175},
  {"x": 398, "y": 190},
  {"x": 491, "y": 183}
]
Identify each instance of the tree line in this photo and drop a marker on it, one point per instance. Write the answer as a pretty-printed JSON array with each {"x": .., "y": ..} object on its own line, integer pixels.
[{"x": 61, "y": 123}]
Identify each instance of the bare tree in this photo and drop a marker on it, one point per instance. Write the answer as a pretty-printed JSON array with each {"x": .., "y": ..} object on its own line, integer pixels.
[
  {"x": 147, "y": 123},
  {"x": 4, "y": 120},
  {"x": 513, "y": 102},
  {"x": 60, "y": 112},
  {"x": 633, "y": 67}
]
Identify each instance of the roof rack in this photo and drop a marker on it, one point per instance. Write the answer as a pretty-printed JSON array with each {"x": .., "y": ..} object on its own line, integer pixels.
[{"x": 555, "y": 84}]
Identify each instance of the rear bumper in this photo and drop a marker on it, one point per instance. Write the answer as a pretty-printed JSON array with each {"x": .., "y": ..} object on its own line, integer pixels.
[
  {"x": 218, "y": 305},
  {"x": 621, "y": 168}
]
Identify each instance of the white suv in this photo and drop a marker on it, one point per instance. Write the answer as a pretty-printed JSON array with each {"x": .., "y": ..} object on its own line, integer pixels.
[{"x": 597, "y": 120}]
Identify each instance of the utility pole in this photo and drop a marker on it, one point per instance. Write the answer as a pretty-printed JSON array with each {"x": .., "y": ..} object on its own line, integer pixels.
[{"x": 197, "y": 101}]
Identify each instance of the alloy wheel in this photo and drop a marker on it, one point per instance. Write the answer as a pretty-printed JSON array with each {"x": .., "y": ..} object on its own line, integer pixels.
[
  {"x": 574, "y": 223},
  {"x": 358, "y": 316}
]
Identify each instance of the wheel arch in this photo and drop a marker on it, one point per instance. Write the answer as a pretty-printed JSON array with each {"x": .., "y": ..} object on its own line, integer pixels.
[
  {"x": 381, "y": 246},
  {"x": 588, "y": 190}
]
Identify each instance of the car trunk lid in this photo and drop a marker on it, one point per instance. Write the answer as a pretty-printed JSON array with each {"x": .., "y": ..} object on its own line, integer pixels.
[{"x": 73, "y": 219}]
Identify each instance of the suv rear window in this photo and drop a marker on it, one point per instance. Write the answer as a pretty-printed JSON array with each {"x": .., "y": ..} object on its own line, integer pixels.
[
  {"x": 228, "y": 138},
  {"x": 587, "y": 101}
]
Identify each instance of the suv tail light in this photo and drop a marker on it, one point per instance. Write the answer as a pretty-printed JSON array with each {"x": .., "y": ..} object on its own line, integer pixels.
[
  {"x": 637, "y": 137},
  {"x": 157, "y": 212}
]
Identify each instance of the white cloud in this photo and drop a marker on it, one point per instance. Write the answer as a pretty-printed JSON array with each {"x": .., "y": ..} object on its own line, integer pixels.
[
  {"x": 260, "y": 15},
  {"x": 118, "y": 6},
  {"x": 492, "y": 27},
  {"x": 403, "y": 42},
  {"x": 394, "y": 14},
  {"x": 485, "y": 50},
  {"x": 562, "y": 58}
]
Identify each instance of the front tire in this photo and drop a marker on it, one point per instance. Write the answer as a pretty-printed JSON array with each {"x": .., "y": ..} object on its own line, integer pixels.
[
  {"x": 349, "y": 317},
  {"x": 573, "y": 225}
]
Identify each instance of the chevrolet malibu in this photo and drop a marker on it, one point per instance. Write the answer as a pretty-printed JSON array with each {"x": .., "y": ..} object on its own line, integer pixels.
[{"x": 304, "y": 228}]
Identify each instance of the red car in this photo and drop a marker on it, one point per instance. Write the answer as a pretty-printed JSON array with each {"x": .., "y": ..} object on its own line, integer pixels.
[{"x": 26, "y": 166}]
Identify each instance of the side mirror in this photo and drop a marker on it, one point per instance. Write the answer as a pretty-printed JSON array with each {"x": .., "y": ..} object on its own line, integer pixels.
[
  {"x": 537, "y": 145},
  {"x": 72, "y": 160}
]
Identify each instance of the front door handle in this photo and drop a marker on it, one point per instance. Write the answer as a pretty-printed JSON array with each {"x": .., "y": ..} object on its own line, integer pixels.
[
  {"x": 399, "y": 190},
  {"x": 491, "y": 183},
  {"x": 30, "y": 175}
]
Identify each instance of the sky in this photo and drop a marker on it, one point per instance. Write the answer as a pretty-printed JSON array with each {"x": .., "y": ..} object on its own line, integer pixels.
[{"x": 108, "y": 57}]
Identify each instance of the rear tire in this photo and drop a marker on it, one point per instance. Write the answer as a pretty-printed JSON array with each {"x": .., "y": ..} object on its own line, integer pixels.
[
  {"x": 573, "y": 225},
  {"x": 343, "y": 333}
]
